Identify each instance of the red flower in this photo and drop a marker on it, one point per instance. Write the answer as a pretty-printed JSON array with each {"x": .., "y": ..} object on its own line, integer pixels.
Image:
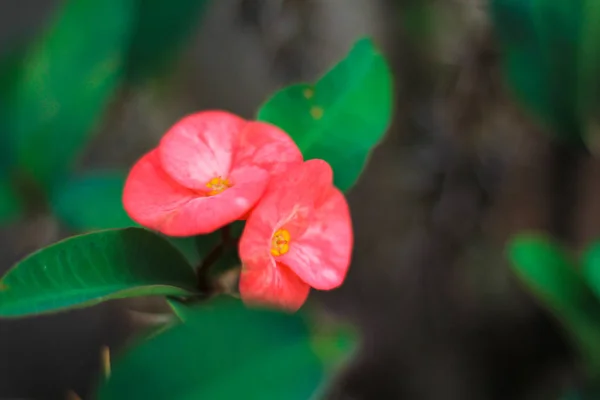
[
  {"x": 209, "y": 169},
  {"x": 298, "y": 236}
]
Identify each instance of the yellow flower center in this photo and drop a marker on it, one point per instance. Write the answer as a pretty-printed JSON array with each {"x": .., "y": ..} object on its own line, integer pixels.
[
  {"x": 218, "y": 185},
  {"x": 280, "y": 243}
]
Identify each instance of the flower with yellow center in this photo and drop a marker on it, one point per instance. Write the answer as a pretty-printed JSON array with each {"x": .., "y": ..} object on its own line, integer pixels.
[
  {"x": 218, "y": 185},
  {"x": 280, "y": 243}
]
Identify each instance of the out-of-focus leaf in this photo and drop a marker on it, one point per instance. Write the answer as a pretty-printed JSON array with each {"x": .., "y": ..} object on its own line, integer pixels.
[
  {"x": 540, "y": 47},
  {"x": 223, "y": 351},
  {"x": 334, "y": 344},
  {"x": 589, "y": 74},
  {"x": 91, "y": 202},
  {"x": 556, "y": 282},
  {"x": 573, "y": 395},
  {"x": 10, "y": 70},
  {"x": 591, "y": 267},
  {"x": 587, "y": 393},
  {"x": 161, "y": 31},
  {"x": 10, "y": 205},
  {"x": 65, "y": 82},
  {"x": 85, "y": 270},
  {"x": 342, "y": 116}
]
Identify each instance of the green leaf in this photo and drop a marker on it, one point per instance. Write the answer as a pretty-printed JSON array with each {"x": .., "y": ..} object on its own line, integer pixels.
[
  {"x": 223, "y": 351},
  {"x": 540, "y": 40},
  {"x": 179, "y": 309},
  {"x": 554, "y": 279},
  {"x": 187, "y": 247},
  {"x": 65, "y": 82},
  {"x": 160, "y": 33},
  {"x": 589, "y": 73},
  {"x": 10, "y": 70},
  {"x": 591, "y": 267},
  {"x": 10, "y": 205},
  {"x": 91, "y": 202},
  {"x": 342, "y": 116},
  {"x": 88, "y": 269}
]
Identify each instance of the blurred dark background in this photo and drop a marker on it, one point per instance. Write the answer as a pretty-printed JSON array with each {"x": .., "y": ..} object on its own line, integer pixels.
[{"x": 460, "y": 170}]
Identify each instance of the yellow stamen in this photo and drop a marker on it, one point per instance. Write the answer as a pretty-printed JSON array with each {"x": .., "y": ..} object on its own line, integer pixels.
[
  {"x": 308, "y": 93},
  {"x": 280, "y": 243},
  {"x": 218, "y": 185}
]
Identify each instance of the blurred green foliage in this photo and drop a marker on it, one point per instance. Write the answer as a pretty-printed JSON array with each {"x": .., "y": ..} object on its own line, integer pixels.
[
  {"x": 224, "y": 351},
  {"x": 55, "y": 90},
  {"x": 161, "y": 29},
  {"x": 551, "y": 60},
  {"x": 558, "y": 283},
  {"x": 55, "y": 103}
]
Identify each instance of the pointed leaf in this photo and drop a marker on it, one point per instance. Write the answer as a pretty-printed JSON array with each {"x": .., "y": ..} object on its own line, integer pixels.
[
  {"x": 223, "y": 351},
  {"x": 85, "y": 270},
  {"x": 341, "y": 117},
  {"x": 65, "y": 82},
  {"x": 540, "y": 44},
  {"x": 553, "y": 278}
]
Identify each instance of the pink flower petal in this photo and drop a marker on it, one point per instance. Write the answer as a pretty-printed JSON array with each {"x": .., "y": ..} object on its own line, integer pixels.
[
  {"x": 291, "y": 196},
  {"x": 266, "y": 146},
  {"x": 272, "y": 285},
  {"x": 156, "y": 201},
  {"x": 304, "y": 202},
  {"x": 200, "y": 147},
  {"x": 150, "y": 196},
  {"x": 321, "y": 255}
]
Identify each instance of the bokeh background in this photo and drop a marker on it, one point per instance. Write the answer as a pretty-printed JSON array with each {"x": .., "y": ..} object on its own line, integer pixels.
[{"x": 460, "y": 170}]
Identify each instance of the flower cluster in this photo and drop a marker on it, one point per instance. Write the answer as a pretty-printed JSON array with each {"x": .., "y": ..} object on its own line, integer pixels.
[{"x": 213, "y": 168}]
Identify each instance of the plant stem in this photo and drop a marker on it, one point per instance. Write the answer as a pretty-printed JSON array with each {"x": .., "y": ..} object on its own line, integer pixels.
[{"x": 203, "y": 271}]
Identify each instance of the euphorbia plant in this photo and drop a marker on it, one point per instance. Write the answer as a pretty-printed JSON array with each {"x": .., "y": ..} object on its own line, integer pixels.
[
  {"x": 280, "y": 178},
  {"x": 213, "y": 168}
]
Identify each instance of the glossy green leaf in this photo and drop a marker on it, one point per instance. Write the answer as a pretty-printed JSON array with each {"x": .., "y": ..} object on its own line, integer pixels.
[
  {"x": 223, "y": 351},
  {"x": 162, "y": 29},
  {"x": 556, "y": 282},
  {"x": 342, "y": 116},
  {"x": 65, "y": 82},
  {"x": 540, "y": 42},
  {"x": 87, "y": 269},
  {"x": 91, "y": 202}
]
